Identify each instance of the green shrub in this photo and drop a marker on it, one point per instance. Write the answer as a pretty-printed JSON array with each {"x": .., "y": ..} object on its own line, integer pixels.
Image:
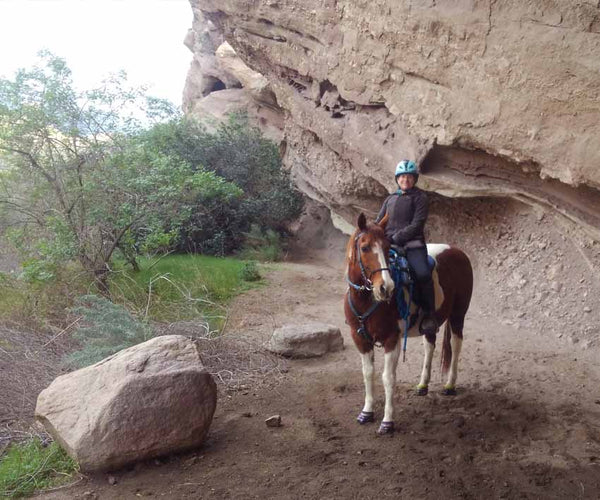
[
  {"x": 262, "y": 246},
  {"x": 240, "y": 156},
  {"x": 105, "y": 328},
  {"x": 250, "y": 272},
  {"x": 30, "y": 466}
]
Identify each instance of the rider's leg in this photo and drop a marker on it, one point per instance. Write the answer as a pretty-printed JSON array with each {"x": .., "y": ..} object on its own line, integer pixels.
[{"x": 417, "y": 259}]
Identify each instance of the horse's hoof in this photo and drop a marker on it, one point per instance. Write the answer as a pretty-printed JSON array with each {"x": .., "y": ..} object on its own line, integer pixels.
[
  {"x": 449, "y": 391},
  {"x": 386, "y": 428},
  {"x": 422, "y": 390},
  {"x": 364, "y": 417}
]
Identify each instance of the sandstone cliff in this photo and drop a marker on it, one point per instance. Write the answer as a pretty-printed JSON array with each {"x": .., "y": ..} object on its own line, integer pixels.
[{"x": 492, "y": 98}]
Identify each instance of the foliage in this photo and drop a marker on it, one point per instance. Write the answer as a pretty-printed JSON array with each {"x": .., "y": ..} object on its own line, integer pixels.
[
  {"x": 180, "y": 287},
  {"x": 250, "y": 272},
  {"x": 30, "y": 466},
  {"x": 84, "y": 179},
  {"x": 264, "y": 246},
  {"x": 61, "y": 179},
  {"x": 104, "y": 329},
  {"x": 239, "y": 154}
]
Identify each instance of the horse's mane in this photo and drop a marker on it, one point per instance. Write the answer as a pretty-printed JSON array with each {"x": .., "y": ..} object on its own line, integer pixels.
[{"x": 350, "y": 246}]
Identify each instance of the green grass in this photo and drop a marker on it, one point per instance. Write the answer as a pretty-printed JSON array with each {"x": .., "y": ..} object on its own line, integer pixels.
[
  {"x": 172, "y": 288},
  {"x": 29, "y": 466},
  {"x": 180, "y": 287}
]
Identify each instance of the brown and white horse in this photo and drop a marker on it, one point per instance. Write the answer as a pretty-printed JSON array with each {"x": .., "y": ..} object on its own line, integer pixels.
[{"x": 372, "y": 314}]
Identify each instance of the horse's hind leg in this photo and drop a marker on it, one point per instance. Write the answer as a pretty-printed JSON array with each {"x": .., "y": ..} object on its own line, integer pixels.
[
  {"x": 390, "y": 363},
  {"x": 428, "y": 349},
  {"x": 456, "y": 345},
  {"x": 366, "y": 415}
]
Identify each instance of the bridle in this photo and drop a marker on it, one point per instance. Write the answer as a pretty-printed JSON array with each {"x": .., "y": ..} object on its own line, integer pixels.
[{"x": 367, "y": 285}]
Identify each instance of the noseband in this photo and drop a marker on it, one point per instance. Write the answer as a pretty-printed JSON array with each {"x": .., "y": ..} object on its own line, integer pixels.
[{"x": 367, "y": 285}]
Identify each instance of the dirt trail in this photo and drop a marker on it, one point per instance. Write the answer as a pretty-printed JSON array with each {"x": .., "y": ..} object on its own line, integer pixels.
[{"x": 525, "y": 423}]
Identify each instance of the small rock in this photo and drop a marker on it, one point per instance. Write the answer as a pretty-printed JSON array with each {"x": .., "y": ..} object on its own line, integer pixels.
[
  {"x": 112, "y": 480},
  {"x": 587, "y": 309},
  {"x": 274, "y": 421},
  {"x": 306, "y": 340}
]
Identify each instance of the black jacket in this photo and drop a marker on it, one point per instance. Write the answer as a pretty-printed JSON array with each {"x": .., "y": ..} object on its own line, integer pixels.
[{"x": 407, "y": 215}]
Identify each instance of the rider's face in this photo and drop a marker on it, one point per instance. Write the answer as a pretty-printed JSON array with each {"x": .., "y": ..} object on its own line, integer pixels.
[{"x": 406, "y": 181}]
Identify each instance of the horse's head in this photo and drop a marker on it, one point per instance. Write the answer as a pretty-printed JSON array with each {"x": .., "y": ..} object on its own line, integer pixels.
[{"x": 367, "y": 259}]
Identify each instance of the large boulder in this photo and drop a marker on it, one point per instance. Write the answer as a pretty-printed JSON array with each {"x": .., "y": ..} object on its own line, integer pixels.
[
  {"x": 152, "y": 399},
  {"x": 305, "y": 341}
]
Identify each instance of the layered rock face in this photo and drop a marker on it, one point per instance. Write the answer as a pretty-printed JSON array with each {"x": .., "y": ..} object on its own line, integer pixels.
[
  {"x": 492, "y": 98},
  {"x": 219, "y": 82}
]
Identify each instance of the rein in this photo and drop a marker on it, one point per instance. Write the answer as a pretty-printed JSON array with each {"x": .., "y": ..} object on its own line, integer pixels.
[{"x": 366, "y": 287}]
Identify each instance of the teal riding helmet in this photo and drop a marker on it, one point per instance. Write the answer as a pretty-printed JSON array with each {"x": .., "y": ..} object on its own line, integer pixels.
[{"x": 407, "y": 167}]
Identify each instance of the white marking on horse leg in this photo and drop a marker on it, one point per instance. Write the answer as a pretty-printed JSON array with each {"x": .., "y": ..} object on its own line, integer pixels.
[
  {"x": 428, "y": 349},
  {"x": 390, "y": 363},
  {"x": 367, "y": 367},
  {"x": 456, "y": 344}
]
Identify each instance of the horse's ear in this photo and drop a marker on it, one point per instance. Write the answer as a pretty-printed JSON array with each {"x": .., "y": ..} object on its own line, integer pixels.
[
  {"x": 383, "y": 222},
  {"x": 362, "y": 222}
]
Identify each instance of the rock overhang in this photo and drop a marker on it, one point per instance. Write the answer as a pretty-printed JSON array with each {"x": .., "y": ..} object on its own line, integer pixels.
[{"x": 508, "y": 88}]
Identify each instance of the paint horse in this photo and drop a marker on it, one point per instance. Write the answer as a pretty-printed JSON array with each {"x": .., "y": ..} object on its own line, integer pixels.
[{"x": 373, "y": 317}]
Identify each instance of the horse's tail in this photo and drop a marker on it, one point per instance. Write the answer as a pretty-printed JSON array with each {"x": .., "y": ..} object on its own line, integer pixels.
[{"x": 446, "y": 356}]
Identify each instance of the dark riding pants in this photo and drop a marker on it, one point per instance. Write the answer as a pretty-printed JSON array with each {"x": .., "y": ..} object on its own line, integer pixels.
[{"x": 417, "y": 260}]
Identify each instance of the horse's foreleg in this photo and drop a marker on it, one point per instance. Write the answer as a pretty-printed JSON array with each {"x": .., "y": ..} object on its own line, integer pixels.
[
  {"x": 428, "y": 349},
  {"x": 366, "y": 415},
  {"x": 390, "y": 363},
  {"x": 456, "y": 343}
]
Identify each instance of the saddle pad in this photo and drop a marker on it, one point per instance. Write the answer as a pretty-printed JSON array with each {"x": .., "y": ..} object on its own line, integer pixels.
[{"x": 431, "y": 262}]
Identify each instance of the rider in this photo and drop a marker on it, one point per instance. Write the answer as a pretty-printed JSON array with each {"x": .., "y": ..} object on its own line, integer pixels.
[{"x": 408, "y": 208}]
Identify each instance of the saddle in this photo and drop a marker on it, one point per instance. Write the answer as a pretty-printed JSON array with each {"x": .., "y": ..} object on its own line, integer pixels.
[{"x": 404, "y": 278}]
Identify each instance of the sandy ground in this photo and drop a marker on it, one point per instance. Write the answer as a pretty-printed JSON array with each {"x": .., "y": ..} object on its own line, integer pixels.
[{"x": 525, "y": 422}]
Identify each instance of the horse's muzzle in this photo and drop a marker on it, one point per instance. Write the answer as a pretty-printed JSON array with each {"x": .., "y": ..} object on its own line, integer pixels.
[{"x": 383, "y": 292}]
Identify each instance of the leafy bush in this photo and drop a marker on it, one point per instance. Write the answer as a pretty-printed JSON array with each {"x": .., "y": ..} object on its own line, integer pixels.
[
  {"x": 264, "y": 246},
  {"x": 250, "y": 272},
  {"x": 30, "y": 466},
  {"x": 106, "y": 328},
  {"x": 240, "y": 155}
]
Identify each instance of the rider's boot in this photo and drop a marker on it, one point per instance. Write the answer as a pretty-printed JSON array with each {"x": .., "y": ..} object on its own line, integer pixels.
[{"x": 429, "y": 325}]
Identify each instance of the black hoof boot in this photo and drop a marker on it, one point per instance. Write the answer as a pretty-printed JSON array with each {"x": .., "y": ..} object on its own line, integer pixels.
[
  {"x": 449, "y": 391},
  {"x": 422, "y": 390},
  {"x": 365, "y": 417},
  {"x": 386, "y": 428}
]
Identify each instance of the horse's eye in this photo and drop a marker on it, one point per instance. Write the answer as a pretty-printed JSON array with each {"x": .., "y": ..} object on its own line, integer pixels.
[{"x": 365, "y": 248}]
